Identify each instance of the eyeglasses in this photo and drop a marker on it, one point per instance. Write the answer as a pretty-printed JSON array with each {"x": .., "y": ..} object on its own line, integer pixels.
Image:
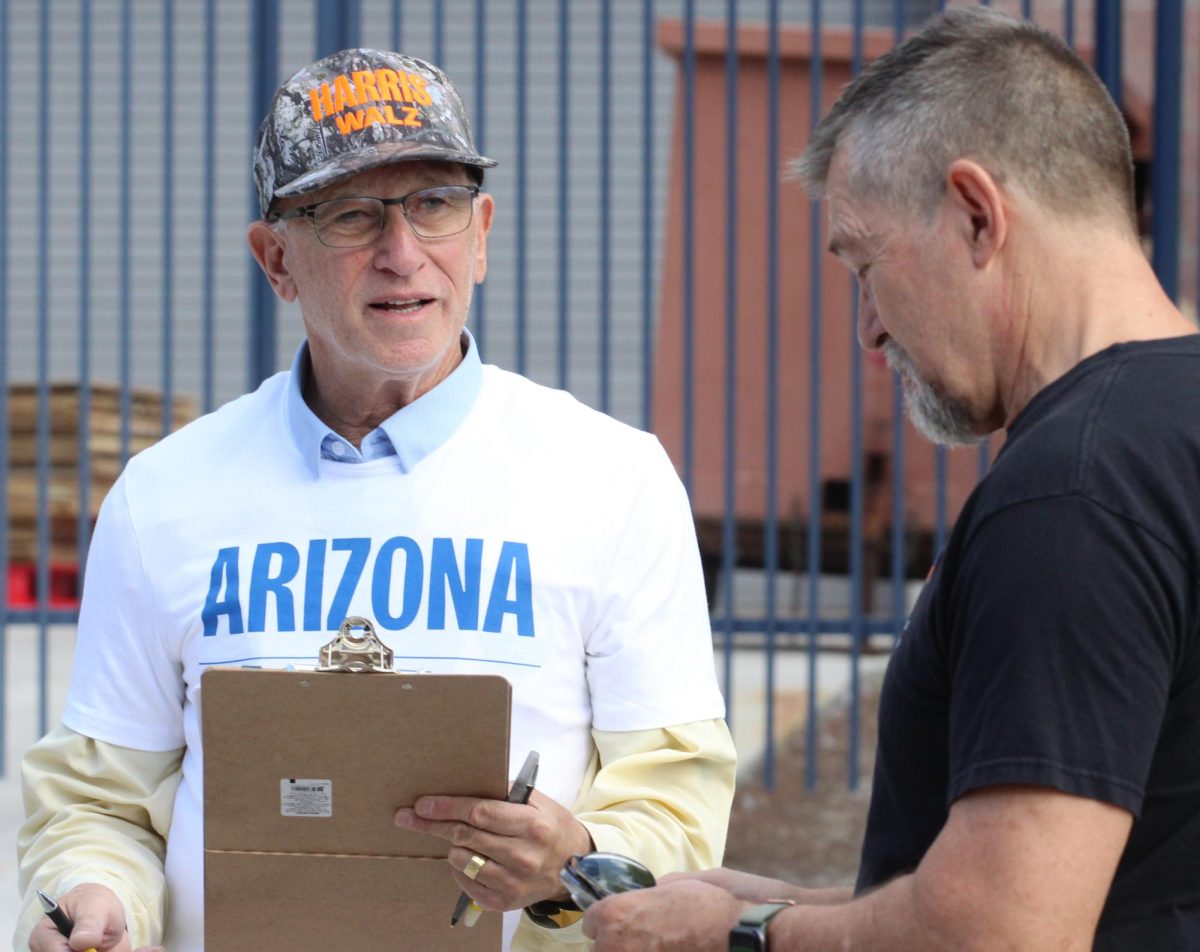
[
  {"x": 591, "y": 877},
  {"x": 351, "y": 222}
]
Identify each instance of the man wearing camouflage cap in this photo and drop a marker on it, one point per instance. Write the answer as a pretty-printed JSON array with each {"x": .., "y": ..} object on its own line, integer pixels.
[{"x": 387, "y": 468}]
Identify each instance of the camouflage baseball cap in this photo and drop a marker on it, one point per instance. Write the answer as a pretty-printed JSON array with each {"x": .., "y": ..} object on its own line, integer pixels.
[{"x": 353, "y": 111}]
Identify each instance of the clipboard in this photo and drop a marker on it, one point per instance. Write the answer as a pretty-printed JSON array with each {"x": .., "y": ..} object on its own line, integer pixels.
[{"x": 303, "y": 771}]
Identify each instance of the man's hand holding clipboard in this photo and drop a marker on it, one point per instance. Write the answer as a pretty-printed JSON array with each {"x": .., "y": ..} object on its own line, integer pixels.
[
  {"x": 504, "y": 854},
  {"x": 521, "y": 789}
]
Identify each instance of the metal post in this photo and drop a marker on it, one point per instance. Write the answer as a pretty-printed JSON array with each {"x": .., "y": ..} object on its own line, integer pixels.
[
  {"x": 83, "y": 528},
  {"x": 337, "y": 26},
  {"x": 647, "y": 213},
  {"x": 728, "y": 528},
  {"x": 522, "y": 195},
  {"x": 605, "y": 236},
  {"x": 43, "y": 377},
  {"x": 479, "y": 300},
  {"x": 260, "y": 345},
  {"x": 689, "y": 238},
  {"x": 208, "y": 308},
  {"x": 564, "y": 191},
  {"x": 1108, "y": 46},
  {"x": 815, "y": 503},
  {"x": 4, "y": 431},
  {"x": 168, "y": 218},
  {"x": 771, "y": 215},
  {"x": 1168, "y": 117}
]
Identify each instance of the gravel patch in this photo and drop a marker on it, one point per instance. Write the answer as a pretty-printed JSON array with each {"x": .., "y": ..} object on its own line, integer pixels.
[{"x": 809, "y": 837}]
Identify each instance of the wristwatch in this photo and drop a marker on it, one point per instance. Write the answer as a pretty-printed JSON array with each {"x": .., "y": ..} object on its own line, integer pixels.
[{"x": 750, "y": 934}]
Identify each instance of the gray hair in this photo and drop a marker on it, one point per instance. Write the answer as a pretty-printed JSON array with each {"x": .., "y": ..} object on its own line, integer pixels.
[{"x": 977, "y": 83}]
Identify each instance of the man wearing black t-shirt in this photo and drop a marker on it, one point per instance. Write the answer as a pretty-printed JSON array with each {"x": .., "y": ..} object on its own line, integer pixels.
[{"x": 1037, "y": 784}]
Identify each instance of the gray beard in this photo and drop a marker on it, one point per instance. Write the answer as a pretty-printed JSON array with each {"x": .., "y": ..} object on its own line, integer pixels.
[{"x": 942, "y": 419}]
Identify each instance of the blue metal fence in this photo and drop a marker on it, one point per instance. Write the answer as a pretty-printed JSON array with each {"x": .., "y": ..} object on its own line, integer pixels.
[{"x": 578, "y": 102}]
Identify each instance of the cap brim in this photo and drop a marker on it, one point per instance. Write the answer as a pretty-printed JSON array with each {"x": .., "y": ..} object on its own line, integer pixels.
[{"x": 363, "y": 160}]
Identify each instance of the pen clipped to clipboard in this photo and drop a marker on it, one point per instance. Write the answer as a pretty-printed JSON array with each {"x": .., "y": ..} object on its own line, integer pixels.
[{"x": 303, "y": 771}]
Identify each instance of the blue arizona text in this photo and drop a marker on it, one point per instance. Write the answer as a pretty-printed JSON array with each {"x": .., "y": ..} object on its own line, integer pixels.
[{"x": 443, "y": 587}]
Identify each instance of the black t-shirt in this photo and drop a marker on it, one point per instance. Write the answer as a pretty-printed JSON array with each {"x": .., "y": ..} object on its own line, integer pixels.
[{"x": 1057, "y": 641}]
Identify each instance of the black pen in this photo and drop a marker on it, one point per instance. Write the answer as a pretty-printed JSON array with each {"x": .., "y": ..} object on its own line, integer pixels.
[
  {"x": 62, "y": 922},
  {"x": 521, "y": 789}
]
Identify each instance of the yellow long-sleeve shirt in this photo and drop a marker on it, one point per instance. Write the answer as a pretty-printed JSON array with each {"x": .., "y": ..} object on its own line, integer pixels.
[{"x": 98, "y": 812}]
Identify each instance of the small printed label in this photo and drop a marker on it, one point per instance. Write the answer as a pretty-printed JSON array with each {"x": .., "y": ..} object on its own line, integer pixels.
[{"x": 305, "y": 797}]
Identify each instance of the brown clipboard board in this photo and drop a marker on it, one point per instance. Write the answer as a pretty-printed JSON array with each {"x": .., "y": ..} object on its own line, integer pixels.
[{"x": 288, "y": 865}]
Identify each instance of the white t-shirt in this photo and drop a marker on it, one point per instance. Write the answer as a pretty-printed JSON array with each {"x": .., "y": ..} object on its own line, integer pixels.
[{"x": 540, "y": 540}]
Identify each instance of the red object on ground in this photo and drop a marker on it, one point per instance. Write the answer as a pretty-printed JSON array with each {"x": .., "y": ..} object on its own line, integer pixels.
[{"x": 22, "y": 585}]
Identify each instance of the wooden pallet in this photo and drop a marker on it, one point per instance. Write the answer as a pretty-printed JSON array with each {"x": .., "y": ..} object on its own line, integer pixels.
[{"x": 53, "y": 432}]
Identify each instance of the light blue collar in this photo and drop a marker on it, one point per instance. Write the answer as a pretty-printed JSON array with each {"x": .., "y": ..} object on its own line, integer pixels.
[{"x": 410, "y": 434}]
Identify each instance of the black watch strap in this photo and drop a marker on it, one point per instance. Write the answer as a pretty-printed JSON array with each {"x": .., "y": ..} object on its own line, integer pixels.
[
  {"x": 750, "y": 934},
  {"x": 551, "y": 914}
]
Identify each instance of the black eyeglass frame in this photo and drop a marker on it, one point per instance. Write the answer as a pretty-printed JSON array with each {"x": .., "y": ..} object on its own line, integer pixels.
[{"x": 310, "y": 212}]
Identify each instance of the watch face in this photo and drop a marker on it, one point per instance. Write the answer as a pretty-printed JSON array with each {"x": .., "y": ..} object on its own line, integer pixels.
[{"x": 747, "y": 939}]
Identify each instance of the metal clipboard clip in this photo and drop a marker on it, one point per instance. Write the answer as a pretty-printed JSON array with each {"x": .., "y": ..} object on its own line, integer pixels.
[{"x": 356, "y": 648}]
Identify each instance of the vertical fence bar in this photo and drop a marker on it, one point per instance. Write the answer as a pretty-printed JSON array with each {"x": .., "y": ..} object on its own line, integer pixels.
[
  {"x": 479, "y": 298},
  {"x": 771, "y": 550},
  {"x": 397, "y": 27},
  {"x": 689, "y": 236},
  {"x": 1108, "y": 46},
  {"x": 564, "y": 192},
  {"x": 939, "y": 505},
  {"x": 647, "y": 213},
  {"x": 83, "y": 447},
  {"x": 43, "y": 371},
  {"x": 1168, "y": 117},
  {"x": 337, "y": 27},
  {"x": 326, "y": 28},
  {"x": 857, "y": 488},
  {"x": 898, "y": 454},
  {"x": 124, "y": 309},
  {"x": 352, "y": 24},
  {"x": 210, "y": 202},
  {"x": 728, "y": 527},
  {"x": 815, "y": 502},
  {"x": 265, "y": 52},
  {"x": 856, "y": 554},
  {"x": 899, "y": 578},
  {"x": 522, "y": 195},
  {"x": 264, "y": 48},
  {"x": 856, "y": 545},
  {"x": 439, "y": 31},
  {"x": 168, "y": 217},
  {"x": 605, "y": 201},
  {"x": 4, "y": 427}
]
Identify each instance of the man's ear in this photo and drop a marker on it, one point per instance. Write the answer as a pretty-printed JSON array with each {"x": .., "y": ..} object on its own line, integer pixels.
[
  {"x": 268, "y": 245},
  {"x": 484, "y": 213},
  {"x": 980, "y": 203}
]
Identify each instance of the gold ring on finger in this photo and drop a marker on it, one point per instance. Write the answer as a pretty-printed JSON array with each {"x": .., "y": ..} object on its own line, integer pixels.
[{"x": 474, "y": 865}]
